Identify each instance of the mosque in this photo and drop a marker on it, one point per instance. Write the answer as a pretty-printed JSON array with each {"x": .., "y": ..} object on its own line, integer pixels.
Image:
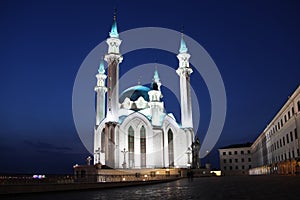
[{"x": 133, "y": 130}]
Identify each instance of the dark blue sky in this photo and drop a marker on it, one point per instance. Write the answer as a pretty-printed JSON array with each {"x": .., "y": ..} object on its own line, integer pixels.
[{"x": 255, "y": 45}]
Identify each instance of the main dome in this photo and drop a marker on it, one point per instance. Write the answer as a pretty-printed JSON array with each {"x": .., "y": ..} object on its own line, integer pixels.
[{"x": 133, "y": 93}]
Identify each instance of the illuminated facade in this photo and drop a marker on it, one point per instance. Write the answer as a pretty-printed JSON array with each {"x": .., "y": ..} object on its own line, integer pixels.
[
  {"x": 235, "y": 159},
  {"x": 276, "y": 150},
  {"x": 133, "y": 130}
]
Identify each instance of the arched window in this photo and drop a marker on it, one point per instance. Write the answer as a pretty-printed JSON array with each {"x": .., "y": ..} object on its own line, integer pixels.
[
  {"x": 170, "y": 148},
  {"x": 103, "y": 140},
  {"x": 143, "y": 146},
  {"x": 131, "y": 147}
]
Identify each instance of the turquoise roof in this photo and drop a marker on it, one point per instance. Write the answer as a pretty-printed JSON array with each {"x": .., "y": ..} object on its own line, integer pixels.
[
  {"x": 156, "y": 77},
  {"x": 101, "y": 69},
  {"x": 133, "y": 93},
  {"x": 183, "y": 48},
  {"x": 114, "y": 30}
]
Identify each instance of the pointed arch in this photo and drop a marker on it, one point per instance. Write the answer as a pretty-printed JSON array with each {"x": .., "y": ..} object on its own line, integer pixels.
[
  {"x": 131, "y": 147},
  {"x": 170, "y": 148},
  {"x": 143, "y": 146}
]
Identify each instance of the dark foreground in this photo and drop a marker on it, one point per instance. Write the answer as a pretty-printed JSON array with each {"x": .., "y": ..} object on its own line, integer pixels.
[{"x": 249, "y": 187}]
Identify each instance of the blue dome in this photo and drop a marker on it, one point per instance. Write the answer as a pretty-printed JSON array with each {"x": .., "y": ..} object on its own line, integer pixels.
[{"x": 133, "y": 93}]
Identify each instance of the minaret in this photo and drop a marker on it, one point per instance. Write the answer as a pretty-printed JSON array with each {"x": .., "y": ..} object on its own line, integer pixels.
[
  {"x": 184, "y": 71},
  {"x": 113, "y": 59},
  {"x": 101, "y": 90},
  {"x": 155, "y": 104}
]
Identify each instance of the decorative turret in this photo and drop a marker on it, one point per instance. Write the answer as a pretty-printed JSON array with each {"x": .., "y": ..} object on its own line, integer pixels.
[
  {"x": 101, "y": 90},
  {"x": 156, "y": 106},
  {"x": 184, "y": 71},
  {"x": 113, "y": 59}
]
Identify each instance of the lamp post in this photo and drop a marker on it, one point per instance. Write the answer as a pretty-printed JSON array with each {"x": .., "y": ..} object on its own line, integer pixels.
[
  {"x": 124, "y": 161},
  {"x": 97, "y": 153},
  {"x": 189, "y": 152},
  {"x": 88, "y": 160}
]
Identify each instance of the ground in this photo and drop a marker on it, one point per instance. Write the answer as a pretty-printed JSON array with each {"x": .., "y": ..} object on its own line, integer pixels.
[{"x": 206, "y": 188}]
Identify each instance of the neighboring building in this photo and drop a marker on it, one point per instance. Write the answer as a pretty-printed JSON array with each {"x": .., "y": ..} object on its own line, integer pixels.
[
  {"x": 235, "y": 159},
  {"x": 276, "y": 150},
  {"x": 133, "y": 130}
]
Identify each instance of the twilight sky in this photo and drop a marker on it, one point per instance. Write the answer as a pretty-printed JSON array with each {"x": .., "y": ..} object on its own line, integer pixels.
[{"x": 255, "y": 45}]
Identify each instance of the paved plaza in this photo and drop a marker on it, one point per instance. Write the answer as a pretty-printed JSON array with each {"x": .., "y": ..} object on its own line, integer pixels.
[{"x": 206, "y": 188}]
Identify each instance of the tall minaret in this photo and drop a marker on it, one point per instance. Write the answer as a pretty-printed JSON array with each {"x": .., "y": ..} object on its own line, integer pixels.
[
  {"x": 113, "y": 59},
  {"x": 101, "y": 90},
  {"x": 184, "y": 71}
]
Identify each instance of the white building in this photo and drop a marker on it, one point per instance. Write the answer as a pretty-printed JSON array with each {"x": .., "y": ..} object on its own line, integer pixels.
[
  {"x": 133, "y": 130},
  {"x": 235, "y": 159},
  {"x": 276, "y": 150}
]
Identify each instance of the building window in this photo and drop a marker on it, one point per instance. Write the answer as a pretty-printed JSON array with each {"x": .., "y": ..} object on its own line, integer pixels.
[
  {"x": 249, "y": 167},
  {"x": 278, "y": 125},
  {"x": 289, "y": 155},
  {"x": 224, "y": 161},
  {"x": 143, "y": 146},
  {"x": 224, "y": 167},
  {"x": 249, "y": 152},
  {"x": 224, "y": 153},
  {"x": 243, "y": 167},
  {"x": 287, "y": 138},
  {"x": 230, "y": 160},
  {"x": 296, "y": 134},
  {"x": 230, "y": 167},
  {"x": 289, "y": 115},
  {"x": 249, "y": 159},
  {"x": 131, "y": 147},
  {"x": 236, "y": 160},
  {"x": 243, "y": 159},
  {"x": 298, "y": 103},
  {"x": 285, "y": 156},
  {"x": 281, "y": 122},
  {"x": 283, "y": 140},
  {"x": 285, "y": 117},
  {"x": 293, "y": 111},
  {"x": 170, "y": 148},
  {"x": 291, "y": 136},
  {"x": 236, "y": 167},
  {"x": 293, "y": 153},
  {"x": 235, "y": 152},
  {"x": 277, "y": 144},
  {"x": 229, "y": 152},
  {"x": 242, "y": 152},
  {"x": 298, "y": 152},
  {"x": 280, "y": 142}
]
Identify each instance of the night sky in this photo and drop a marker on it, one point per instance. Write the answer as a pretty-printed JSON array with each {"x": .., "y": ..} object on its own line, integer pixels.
[{"x": 255, "y": 45}]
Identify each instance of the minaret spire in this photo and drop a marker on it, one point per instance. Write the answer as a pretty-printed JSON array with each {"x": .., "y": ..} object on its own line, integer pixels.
[
  {"x": 101, "y": 90},
  {"x": 113, "y": 59},
  {"x": 114, "y": 29},
  {"x": 184, "y": 71}
]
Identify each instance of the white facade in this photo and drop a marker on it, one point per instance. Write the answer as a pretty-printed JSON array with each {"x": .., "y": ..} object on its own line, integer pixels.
[
  {"x": 137, "y": 132},
  {"x": 235, "y": 159},
  {"x": 276, "y": 150}
]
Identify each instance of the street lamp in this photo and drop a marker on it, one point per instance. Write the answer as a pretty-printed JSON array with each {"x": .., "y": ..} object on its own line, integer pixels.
[
  {"x": 124, "y": 161},
  {"x": 189, "y": 152},
  {"x": 97, "y": 155}
]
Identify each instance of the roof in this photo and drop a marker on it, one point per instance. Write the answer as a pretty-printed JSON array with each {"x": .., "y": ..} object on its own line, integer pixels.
[
  {"x": 248, "y": 144},
  {"x": 133, "y": 93}
]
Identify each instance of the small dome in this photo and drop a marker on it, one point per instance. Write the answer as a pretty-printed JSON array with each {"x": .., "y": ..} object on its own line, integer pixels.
[{"x": 133, "y": 93}]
